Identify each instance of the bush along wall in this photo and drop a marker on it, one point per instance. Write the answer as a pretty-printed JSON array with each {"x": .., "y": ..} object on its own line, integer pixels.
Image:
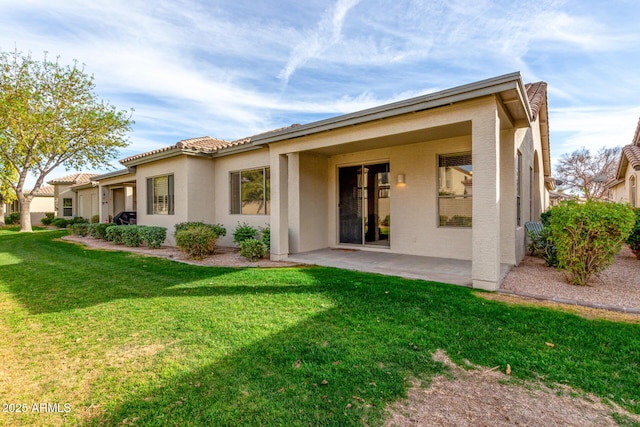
[
  {"x": 588, "y": 235},
  {"x": 197, "y": 239},
  {"x": 634, "y": 238}
]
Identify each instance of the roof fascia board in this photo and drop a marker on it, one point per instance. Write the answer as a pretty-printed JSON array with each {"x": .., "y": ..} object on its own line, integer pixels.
[
  {"x": 114, "y": 174},
  {"x": 235, "y": 150},
  {"x": 438, "y": 99}
]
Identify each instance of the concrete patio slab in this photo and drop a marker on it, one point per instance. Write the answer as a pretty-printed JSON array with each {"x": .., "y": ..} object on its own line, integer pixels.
[{"x": 453, "y": 271}]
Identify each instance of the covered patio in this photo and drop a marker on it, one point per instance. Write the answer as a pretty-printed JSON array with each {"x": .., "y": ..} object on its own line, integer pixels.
[{"x": 445, "y": 270}]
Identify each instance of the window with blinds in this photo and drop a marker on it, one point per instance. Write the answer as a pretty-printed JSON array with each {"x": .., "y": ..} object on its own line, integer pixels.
[
  {"x": 455, "y": 190},
  {"x": 160, "y": 195}
]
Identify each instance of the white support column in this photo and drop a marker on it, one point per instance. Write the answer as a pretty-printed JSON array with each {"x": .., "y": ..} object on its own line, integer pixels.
[
  {"x": 485, "y": 233},
  {"x": 279, "y": 207},
  {"x": 294, "y": 202}
]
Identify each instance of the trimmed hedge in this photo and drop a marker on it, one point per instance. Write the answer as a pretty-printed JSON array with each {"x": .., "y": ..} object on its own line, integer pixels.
[
  {"x": 115, "y": 234},
  {"x": 99, "y": 230},
  {"x": 197, "y": 241},
  {"x": 131, "y": 236},
  {"x": 252, "y": 249},
  {"x": 153, "y": 236},
  {"x": 60, "y": 222},
  {"x": 48, "y": 218},
  {"x": 80, "y": 229}
]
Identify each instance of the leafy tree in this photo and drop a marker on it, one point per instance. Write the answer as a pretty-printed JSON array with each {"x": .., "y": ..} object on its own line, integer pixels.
[
  {"x": 7, "y": 194},
  {"x": 587, "y": 173},
  {"x": 51, "y": 117}
]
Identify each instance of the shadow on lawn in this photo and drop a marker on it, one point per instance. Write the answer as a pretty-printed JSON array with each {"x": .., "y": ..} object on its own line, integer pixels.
[
  {"x": 337, "y": 367},
  {"x": 343, "y": 365}
]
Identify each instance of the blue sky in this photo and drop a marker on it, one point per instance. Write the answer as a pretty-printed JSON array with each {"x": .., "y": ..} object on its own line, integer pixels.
[{"x": 233, "y": 68}]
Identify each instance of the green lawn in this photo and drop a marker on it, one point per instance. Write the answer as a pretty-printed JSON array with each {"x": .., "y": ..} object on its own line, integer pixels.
[{"x": 144, "y": 341}]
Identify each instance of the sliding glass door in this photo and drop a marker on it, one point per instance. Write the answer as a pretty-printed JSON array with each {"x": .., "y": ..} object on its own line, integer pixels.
[{"x": 364, "y": 204}]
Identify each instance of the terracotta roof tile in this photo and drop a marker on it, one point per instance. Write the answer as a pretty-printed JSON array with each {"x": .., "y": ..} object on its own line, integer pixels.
[
  {"x": 632, "y": 152},
  {"x": 75, "y": 178},
  {"x": 636, "y": 136},
  {"x": 536, "y": 92},
  {"x": 203, "y": 144},
  {"x": 46, "y": 190}
]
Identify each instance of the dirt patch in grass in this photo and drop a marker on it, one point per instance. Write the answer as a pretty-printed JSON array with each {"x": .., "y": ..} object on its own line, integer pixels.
[
  {"x": 586, "y": 312},
  {"x": 488, "y": 397}
]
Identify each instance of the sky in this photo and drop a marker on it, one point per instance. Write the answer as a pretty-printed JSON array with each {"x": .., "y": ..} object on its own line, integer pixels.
[{"x": 233, "y": 68}]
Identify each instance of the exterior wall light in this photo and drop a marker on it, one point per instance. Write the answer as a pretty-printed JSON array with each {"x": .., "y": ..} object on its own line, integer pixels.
[{"x": 401, "y": 178}]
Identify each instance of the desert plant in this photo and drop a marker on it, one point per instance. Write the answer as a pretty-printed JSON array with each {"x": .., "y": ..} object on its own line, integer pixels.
[
  {"x": 244, "y": 232},
  {"x": 131, "y": 236},
  {"x": 152, "y": 236},
  {"x": 99, "y": 230},
  {"x": 80, "y": 229},
  {"x": 252, "y": 249},
  {"x": 114, "y": 233},
  {"x": 634, "y": 238},
  {"x": 60, "y": 222},
  {"x": 587, "y": 236},
  {"x": 95, "y": 219},
  {"x": 48, "y": 218},
  {"x": 266, "y": 238},
  {"x": 197, "y": 241}
]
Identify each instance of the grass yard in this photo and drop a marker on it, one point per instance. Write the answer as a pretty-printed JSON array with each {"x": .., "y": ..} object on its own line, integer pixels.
[{"x": 130, "y": 340}]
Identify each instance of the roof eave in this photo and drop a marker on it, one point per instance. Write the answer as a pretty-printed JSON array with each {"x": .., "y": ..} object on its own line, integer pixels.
[
  {"x": 162, "y": 156},
  {"x": 467, "y": 92}
]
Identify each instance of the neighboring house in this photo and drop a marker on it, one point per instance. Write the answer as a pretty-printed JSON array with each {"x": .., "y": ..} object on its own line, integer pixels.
[
  {"x": 75, "y": 195},
  {"x": 624, "y": 187},
  {"x": 42, "y": 202},
  {"x": 467, "y": 166},
  {"x": 555, "y": 197}
]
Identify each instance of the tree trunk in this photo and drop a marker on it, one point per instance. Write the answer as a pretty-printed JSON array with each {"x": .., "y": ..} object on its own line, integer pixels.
[
  {"x": 2, "y": 224},
  {"x": 25, "y": 214}
]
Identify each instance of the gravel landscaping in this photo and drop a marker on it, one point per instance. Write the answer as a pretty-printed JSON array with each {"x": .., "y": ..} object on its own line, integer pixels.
[{"x": 616, "y": 288}]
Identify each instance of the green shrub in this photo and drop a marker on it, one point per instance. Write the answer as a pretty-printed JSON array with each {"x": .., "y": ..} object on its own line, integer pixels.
[
  {"x": 244, "y": 232},
  {"x": 154, "y": 237},
  {"x": 12, "y": 218},
  {"x": 114, "y": 233},
  {"x": 60, "y": 222},
  {"x": 99, "y": 230},
  {"x": 634, "y": 238},
  {"x": 80, "y": 229},
  {"x": 252, "y": 249},
  {"x": 131, "y": 236},
  {"x": 587, "y": 236},
  {"x": 48, "y": 218},
  {"x": 545, "y": 217},
  {"x": 78, "y": 220},
  {"x": 95, "y": 219},
  {"x": 266, "y": 238},
  {"x": 217, "y": 228},
  {"x": 197, "y": 241}
]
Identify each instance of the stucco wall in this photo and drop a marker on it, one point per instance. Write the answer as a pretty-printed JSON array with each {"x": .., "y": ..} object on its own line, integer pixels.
[
  {"x": 414, "y": 223},
  {"x": 222, "y": 168},
  {"x": 309, "y": 231},
  {"x": 39, "y": 206},
  {"x": 86, "y": 203}
]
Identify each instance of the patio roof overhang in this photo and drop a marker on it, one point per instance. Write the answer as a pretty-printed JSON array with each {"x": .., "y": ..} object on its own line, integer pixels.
[{"x": 508, "y": 89}]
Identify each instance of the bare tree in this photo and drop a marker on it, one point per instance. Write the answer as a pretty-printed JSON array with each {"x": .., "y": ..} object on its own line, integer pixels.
[{"x": 587, "y": 173}]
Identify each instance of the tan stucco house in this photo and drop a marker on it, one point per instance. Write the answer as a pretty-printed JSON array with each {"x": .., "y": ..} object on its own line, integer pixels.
[
  {"x": 75, "y": 195},
  {"x": 452, "y": 174},
  {"x": 624, "y": 186},
  {"x": 42, "y": 203}
]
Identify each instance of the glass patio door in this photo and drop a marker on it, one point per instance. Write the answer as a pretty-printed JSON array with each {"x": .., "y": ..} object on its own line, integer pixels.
[{"x": 364, "y": 204}]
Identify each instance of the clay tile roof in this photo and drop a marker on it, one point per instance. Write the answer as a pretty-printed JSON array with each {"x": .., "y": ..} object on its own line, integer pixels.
[
  {"x": 632, "y": 152},
  {"x": 203, "y": 144},
  {"x": 636, "y": 136},
  {"x": 46, "y": 190},
  {"x": 536, "y": 92},
  {"x": 75, "y": 178}
]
